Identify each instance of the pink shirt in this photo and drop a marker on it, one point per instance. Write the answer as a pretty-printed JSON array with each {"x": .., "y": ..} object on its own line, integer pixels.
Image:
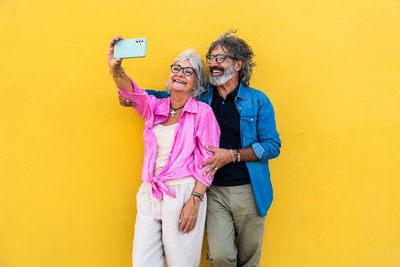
[{"x": 197, "y": 128}]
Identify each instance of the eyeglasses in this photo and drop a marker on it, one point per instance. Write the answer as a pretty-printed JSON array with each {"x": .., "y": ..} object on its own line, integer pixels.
[
  {"x": 219, "y": 58},
  {"x": 187, "y": 71}
]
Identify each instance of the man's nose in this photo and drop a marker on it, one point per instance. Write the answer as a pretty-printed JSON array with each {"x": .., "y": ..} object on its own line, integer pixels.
[{"x": 213, "y": 63}]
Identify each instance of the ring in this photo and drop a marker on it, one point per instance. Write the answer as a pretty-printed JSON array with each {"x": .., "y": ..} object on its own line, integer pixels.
[{"x": 216, "y": 168}]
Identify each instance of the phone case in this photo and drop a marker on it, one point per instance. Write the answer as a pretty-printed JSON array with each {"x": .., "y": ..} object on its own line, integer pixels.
[{"x": 130, "y": 48}]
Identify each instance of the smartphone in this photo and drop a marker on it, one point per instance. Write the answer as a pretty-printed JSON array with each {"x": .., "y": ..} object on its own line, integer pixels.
[{"x": 130, "y": 48}]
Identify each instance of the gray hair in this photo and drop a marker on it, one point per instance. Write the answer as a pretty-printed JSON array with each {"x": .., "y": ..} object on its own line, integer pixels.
[
  {"x": 198, "y": 65},
  {"x": 238, "y": 49}
]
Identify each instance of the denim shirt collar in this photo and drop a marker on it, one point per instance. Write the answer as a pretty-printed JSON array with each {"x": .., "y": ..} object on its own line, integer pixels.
[{"x": 242, "y": 92}]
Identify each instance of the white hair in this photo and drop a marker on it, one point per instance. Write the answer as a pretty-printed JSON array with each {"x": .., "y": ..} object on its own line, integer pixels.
[{"x": 198, "y": 65}]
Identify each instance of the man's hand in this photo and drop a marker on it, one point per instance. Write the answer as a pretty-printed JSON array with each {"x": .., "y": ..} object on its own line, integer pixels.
[
  {"x": 221, "y": 158},
  {"x": 125, "y": 102}
]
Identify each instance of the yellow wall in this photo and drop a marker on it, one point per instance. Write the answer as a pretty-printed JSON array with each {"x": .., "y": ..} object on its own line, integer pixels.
[{"x": 70, "y": 156}]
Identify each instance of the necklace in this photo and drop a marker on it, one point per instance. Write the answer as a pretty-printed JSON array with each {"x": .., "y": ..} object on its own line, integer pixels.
[{"x": 174, "y": 109}]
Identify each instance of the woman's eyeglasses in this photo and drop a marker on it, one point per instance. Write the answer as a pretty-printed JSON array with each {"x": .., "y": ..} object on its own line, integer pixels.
[{"x": 187, "y": 71}]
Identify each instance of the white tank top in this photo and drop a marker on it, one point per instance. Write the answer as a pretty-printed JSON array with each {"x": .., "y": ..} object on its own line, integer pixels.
[{"x": 165, "y": 139}]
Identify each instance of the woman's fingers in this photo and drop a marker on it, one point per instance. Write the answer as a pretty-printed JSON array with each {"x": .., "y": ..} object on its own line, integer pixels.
[
  {"x": 189, "y": 226},
  {"x": 113, "y": 62},
  {"x": 193, "y": 225},
  {"x": 115, "y": 39},
  {"x": 188, "y": 218},
  {"x": 184, "y": 224},
  {"x": 189, "y": 215}
]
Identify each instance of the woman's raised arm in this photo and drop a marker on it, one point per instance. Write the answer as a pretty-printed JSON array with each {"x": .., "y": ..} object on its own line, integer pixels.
[{"x": 121, "y": 80}]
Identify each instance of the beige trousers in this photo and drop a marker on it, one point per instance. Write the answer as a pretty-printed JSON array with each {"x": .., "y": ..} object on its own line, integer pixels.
[
  {"x": 156, "y": 229},
  {"x": 234, "y": 229}
]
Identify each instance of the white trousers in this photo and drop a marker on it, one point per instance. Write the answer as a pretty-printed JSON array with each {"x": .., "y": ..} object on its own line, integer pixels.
[{"x": 156, "y": 229}]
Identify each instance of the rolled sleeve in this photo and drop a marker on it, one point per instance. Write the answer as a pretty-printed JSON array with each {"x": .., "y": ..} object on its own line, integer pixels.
[
  {"x": 258, "y": 150},
  {"x": 269, "y": 143}
]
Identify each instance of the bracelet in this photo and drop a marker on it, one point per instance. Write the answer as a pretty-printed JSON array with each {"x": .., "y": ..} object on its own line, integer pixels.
[
  {"x": 195, "y": 194},
  {"x": 118, "y": 75},
  {"x": 233, "y": 158},
  {"x": 238, "y": 155}
]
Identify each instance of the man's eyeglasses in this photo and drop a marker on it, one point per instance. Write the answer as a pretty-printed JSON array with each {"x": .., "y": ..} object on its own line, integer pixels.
[
  {"x": 187, "y": 71},
  {"x": 219, "y": 58}
]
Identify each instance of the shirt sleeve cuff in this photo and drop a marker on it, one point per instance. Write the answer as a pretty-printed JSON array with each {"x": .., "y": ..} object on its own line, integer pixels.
[{"x": 258, "y": 150}]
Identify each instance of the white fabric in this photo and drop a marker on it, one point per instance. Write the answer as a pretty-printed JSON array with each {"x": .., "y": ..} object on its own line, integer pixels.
[
  {"x": 165, "y": 140},
  {"x": 156, "y": 229},
  {"x": 186, "y": 180}
]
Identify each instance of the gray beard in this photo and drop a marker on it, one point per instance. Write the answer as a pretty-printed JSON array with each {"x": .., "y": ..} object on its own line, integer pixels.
[{"x": 226, "y": 76}]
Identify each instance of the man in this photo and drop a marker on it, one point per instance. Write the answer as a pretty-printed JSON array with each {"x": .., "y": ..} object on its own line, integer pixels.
[{"x": 241, "y": 193}]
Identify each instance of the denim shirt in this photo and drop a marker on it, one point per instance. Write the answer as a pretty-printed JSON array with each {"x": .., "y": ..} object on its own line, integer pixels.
[{"x": 258, "y": 130}]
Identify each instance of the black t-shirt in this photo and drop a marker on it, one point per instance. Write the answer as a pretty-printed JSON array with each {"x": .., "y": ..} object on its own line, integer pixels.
[{"x": 228, "y": 119}]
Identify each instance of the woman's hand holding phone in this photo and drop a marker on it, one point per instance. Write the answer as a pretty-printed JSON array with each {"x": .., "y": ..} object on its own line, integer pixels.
[{"x": 114, "y": 63}]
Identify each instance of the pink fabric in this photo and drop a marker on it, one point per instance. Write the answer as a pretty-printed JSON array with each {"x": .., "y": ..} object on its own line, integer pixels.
[{"x": 197, "y": 128}]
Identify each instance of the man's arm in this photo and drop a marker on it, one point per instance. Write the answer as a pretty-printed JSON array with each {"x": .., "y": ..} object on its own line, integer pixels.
[
  {"x": 223, "y": 156},
  {"x": 269, "y": 144},
  {"x": 267, "y": 147}
]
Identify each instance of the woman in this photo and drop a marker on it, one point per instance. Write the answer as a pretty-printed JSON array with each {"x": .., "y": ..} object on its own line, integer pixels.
[{"x": 171, "y": 201}]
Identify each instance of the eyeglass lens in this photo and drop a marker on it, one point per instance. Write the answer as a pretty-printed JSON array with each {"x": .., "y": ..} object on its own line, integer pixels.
[
  {"x": 187, "y": 71},
  {"x": 219, "y": 58}
]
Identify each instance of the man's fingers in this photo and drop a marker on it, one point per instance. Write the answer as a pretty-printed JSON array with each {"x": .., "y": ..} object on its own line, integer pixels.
[
  {"x": 125, "y": 102},
  {"x": 213, "y": 168},
  {"x": 214, "y": 171},
  {"x": 207, "y": 162},
  {"x": 210, "y": 168},
  {"x": 211, "y": 149},
  {"x": 123, "y": 99}
]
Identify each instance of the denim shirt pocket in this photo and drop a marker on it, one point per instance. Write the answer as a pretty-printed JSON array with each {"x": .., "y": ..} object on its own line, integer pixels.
[{"x": 250, "y": 127}]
